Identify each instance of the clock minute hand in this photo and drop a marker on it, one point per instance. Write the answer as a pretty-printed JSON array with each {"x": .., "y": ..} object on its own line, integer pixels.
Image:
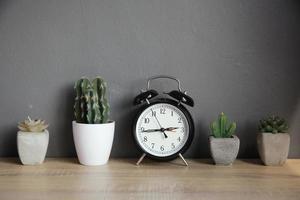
[{"x": 161, "y": 128}]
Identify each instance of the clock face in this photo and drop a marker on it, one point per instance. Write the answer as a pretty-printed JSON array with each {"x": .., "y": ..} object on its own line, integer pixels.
[{"x": 162, "y": 130}]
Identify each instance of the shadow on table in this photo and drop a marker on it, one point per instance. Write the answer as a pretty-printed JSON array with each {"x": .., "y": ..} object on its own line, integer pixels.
[
  {"x": 149, "y": 162},
  {"x": 205, "y": 161},
  {"x": 68, "y": 160},
  {"x": 15, "y": 161},
  {"x": 252, "y": 161}
]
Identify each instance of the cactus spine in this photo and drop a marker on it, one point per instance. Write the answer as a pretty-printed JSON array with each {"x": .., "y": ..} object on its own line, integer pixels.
[
  {"x": 91, "y": 105},
  {"x": 222, "y": 128},
  {"x": 273, "y": 124}
]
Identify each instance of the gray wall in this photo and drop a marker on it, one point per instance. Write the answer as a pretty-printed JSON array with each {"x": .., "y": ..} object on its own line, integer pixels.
[{"x": 240, "y": 57}]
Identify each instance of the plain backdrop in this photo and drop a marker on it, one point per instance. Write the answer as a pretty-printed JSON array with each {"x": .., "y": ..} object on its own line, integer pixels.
[{"x": 237, "y": 56}]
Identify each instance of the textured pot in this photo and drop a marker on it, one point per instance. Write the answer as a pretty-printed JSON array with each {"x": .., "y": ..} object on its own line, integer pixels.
[
  {"x": 93, "y": 142},
  {"x": 32, "y": 147},
  {"x": 224, "y": 150},
  {"x": 273, "y": 149}
]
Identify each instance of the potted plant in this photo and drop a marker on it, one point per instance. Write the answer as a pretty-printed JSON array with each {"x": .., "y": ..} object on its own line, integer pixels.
[
  {"x": 273, "y": 141},
  {"x": 224, "y": 146},
  {"x": 92, "y": 131},
  {"x": 32, "y": 141}
]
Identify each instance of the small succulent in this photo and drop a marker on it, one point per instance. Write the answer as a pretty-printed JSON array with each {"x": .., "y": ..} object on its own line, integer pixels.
[
  {"x": 29, "y": 125},
  {"x": 273, "y": 124},
  {"x": 222, "y": 128}
]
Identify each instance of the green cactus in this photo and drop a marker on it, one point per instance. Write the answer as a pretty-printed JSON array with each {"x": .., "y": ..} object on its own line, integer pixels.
[
  {"x": 222, "y": 128},
  {"x": 91, "y": 105},
  {"x": 273, "y": 124}
]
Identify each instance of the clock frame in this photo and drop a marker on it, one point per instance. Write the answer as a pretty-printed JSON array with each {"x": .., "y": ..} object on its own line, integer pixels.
[
  {"x": 178, "y": 98},
  {"x": 190, "y": 135}
]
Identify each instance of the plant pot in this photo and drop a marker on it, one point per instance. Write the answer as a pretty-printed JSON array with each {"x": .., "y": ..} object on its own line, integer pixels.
[
  {"x": 273, "y": 149},
  {"x": 224, "y": 150},
  {"x": 32, "y": 147},
  {"x": 93, "y": 142}
]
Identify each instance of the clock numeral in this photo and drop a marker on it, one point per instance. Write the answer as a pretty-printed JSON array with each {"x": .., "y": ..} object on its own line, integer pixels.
[
  {"x": 152, "y": 145},
  {"x": 182, "y": 130},
  {"x": 153, "y": 113},
  {"x": 163, "y": 111},
  {"x": 172, "y": 145},
  {"x": 179, "y": 139},
  {"x": 147, "y": 120},
  {"x": 145, "y": 139},
  {"x": 162, "y": 148},
  {"x": 179, "y": 120},
  {"x": 142, "y": 129},
  {"x": 172, "y": 113}
]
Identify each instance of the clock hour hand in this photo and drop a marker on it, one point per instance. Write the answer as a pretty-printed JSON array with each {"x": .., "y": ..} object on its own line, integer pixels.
[{"x": 165, "y": 134}]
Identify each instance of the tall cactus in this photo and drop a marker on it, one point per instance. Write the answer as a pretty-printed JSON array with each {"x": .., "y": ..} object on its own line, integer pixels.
[
  {"x": 222, "y": 128},
  {"x": 91, "y": 105}
]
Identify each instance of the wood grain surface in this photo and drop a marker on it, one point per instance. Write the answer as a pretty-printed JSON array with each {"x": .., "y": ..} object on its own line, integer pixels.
[{"x": 121, "y": 179}]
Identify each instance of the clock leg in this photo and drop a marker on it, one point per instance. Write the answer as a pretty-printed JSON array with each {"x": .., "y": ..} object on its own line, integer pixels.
[
  {"x": 182, "y": 158},
  {"x": 141, "y": 159}
]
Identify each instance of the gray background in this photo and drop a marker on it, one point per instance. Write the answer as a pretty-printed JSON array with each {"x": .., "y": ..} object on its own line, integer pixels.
[{"x": 240, "y": 57}]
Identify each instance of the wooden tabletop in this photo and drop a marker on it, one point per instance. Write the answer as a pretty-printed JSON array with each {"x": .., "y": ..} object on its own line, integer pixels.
[{"x": 64, "y": 178}]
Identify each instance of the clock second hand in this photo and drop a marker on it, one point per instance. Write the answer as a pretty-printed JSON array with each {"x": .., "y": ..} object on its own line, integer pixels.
[{"x": 162, "y": 129}]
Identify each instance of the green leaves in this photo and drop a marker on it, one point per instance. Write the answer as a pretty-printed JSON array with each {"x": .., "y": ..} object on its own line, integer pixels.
[
  {"x": 223, "y": 123},
  {"x": 231, "y": 129},
  {"x": 273, "y": 124},
  {"x": 222, "y": 128},
  {"x": 215, "y": 129}
]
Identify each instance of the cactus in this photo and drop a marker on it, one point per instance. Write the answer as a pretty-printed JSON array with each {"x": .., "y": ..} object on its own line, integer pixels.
[
  {"x": 30, "y": 125},
  {"x": 222, "y": 128},
  {"x": 273, "y": 124},
  {"x": 91, "y": 105}
]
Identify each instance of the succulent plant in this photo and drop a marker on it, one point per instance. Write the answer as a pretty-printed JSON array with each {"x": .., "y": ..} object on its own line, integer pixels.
[
  {"x": 222, "y": 128},
  {"x": 91, "y": 105},
  {"x": 29, "y": 125},
  {"x": 273, "y": 124}
]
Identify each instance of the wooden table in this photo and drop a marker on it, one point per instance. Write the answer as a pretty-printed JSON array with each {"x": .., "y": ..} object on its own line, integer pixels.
[{"x": 120, "y": 179}]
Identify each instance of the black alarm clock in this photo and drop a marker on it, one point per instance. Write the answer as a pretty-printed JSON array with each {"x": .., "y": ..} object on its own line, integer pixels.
[{"x": 163, "y": 128}]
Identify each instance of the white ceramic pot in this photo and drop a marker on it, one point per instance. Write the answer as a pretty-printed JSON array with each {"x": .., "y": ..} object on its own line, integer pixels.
[
  {"x": 93, "y": 142},
  {"x": 32, "y": 147}
]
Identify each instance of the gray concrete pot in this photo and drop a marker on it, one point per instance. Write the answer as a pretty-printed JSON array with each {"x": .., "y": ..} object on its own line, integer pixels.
[
  {"x": 273, "y": 149},
  {"x": 224, "y": 150},
  {"x": 32, "y": 147}
]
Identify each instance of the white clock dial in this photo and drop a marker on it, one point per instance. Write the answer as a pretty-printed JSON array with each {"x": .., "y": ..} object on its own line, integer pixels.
[{"x": 162, "y": 130}]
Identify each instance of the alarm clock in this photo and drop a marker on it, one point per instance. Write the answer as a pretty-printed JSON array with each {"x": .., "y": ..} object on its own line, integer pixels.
[{"x": 163, "y": 128}]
